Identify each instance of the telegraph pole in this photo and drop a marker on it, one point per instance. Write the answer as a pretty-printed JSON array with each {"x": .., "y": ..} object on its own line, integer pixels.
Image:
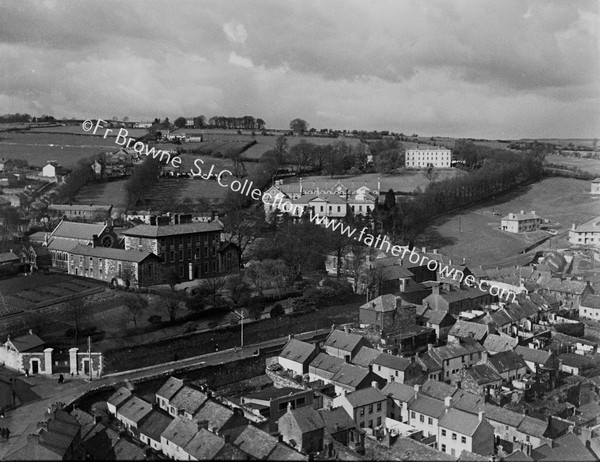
[{"x": 90, "y": 356}]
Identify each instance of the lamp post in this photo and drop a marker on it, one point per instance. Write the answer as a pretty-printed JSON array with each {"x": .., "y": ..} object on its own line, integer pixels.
[{"x": 241, "y": 316}]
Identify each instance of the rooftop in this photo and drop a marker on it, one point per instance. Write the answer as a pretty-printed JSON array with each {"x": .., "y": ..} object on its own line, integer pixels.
[
  {"x": 365, "y": 397},
  {"x": 27, "y": 342},
  {"x": 497, "y": 343},
  {"x": 428, "y": 406},
  {"x": 180, "y": 431},
  {"x": 350, "y": 375},
  {"x": 155, "y": 423},
  {"x": 135, "y": 409},
  {"x": 298, "y": 351},
  {"x": 506, "y": 361},
  {"x": 342, "y": 340},
  {"x": 366, "y": 356},
  {"x": 464, "y": 329},
  {"x": 460, "y": 422},
  {"x": 399, "y": 391},
  {"x": 75, "y": 230},
  {"x": 170, "y": 387},
  {"x": 307, "y": 418},
  {"x": 119, "y": 397},
  {"x": 393, "y": 362},
  {"x": 150, "y": 231},
  {"x": 188, "y": 399},
  {"x": 111, "y": 254},
  {"x": 383, "y": 303}
]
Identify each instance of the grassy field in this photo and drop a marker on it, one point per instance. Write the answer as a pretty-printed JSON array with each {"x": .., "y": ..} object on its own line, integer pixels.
[
  {"x": 586, "y": 165},
  {"x": 474, "y": 235},
  {"x": 108, "y": 193}
]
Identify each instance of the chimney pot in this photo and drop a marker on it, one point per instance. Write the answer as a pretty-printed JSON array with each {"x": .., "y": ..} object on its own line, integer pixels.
[
  {"x": 481, "y": 415},
  {"x": 448, "y": 401}
]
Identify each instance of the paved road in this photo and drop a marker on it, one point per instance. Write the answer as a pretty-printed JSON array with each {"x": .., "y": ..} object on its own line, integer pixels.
[{"x": 23, "y": 419}]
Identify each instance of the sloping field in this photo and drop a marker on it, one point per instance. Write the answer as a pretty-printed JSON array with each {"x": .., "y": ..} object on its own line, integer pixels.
[{"x": 586, "y": 165}]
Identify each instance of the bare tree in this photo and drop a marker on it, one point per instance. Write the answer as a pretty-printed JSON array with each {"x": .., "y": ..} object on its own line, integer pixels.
[
  {"x": 136, "y": 304},
  {"x": 211, "y": 287},
  {"x": 172, "y": 305}
]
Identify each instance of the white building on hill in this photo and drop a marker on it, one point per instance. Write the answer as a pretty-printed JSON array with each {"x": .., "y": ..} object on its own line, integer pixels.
[
  {"x": 428, "y": 157},
  {"x": 587, "y": 233},
  {"x": 521, "y": 222}
]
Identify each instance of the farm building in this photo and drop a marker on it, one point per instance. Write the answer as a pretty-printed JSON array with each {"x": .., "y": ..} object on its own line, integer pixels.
[{"x": 521, "y": 222}]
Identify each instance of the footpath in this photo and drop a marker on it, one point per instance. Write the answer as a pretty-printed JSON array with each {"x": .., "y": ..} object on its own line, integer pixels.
[{"x": 23, "y": 420}]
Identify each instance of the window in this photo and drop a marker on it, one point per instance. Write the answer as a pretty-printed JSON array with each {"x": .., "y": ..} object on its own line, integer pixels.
[
  {"x": 370, "y": 424},
  {"x": 181, "y": 271},
  {"x": 361, "y": 411},
  {"x": 362, "y": 425},
  {"x": 454, "y": 436},
  {"x": 378, "y": 421},
  {"x": 300, "y": 401},
  {"x": 172, "y": 256},
  {"x": 422, "y": 418},
  {"x": 463, "y": 439},
  {"x": 370, "y": 409},
  {"x": 430, "y": 421},
  {"x": 181, "y": 255},
  {"x": 443, "y": 448},
  {"x": 412, "y": 414},
  {"x": 443, "y": 432},
  {"x": 379, "y": 406}
]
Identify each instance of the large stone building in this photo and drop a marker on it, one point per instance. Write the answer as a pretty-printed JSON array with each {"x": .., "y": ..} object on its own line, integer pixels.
[
  {"x": 116, "y": 266},
  {"x": 194, "y": 250},
  {"x": 81, "y": 211},
  {"x": 428, "y": 157}
]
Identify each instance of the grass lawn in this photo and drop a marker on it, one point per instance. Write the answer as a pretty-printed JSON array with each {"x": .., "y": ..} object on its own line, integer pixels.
[
  {"x": 587, "y": 165},
  {"x": 474, "y": 235}
]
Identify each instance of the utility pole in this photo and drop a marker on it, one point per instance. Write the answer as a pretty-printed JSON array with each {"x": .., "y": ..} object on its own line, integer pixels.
[
  {"x": 241, "y": 316},
  {"x": 90, "y": 356}
]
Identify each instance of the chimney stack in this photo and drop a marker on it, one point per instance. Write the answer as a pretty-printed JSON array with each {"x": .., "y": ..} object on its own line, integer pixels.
[
  {"x": 374, "y": 383},
  {"x": 481, "y": 415},
  {"x": 448, "y": 401}
]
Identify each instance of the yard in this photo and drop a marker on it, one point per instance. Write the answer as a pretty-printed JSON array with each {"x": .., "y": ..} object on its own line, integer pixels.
[{"x": 473, "y": 234}]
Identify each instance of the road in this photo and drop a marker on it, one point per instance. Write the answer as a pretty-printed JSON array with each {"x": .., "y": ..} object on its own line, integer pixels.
[{"x": 22, "y": 420}]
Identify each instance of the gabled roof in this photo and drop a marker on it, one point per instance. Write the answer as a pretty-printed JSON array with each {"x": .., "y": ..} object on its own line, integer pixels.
[
  {"x": 455, "y": 350},
  {"x": 134, "y": 409},
  {"x": 532, "y": 426},
  {"x": 170, "y": 387},
  {"x": 393, "y": 362},
  {"x": 503, "y": 415},
  {"x": 395, "y": 272},
  {"x": 438, "y": 390},
  {"x": 365, "y": 397},
  {"x": 307, "y": 418},
  {"x": 460, "y": 422},
  {"x": 255, "y": 442},
  {"x": 590, "y": 301},
  {"x": 79, "y": 231},
  {"x": 350, "y": 375},
  {"x": 429, "y": 362},
  {"x": 204, "y": 445},
  {"x": 324, "y": 362},
  {"x": 466, "y": 329},
  {"x": 567, "y": 447},
  {"x": 382, "y": 304},
  {"x": 112, "y": 254},
  {"x": 345, "y": 341},
  {"x": 496, "y": 343},
  {"x": 188, "y": 399},
  {"x": 533, "y": 355},
  {"x": 336, "y": 419},
  {"x": 468, "y": 402},
  {"x": 440, "y": 318},
  {"x": 518, "y": 456},
  {"x": 399, "y": 391},
  {"x": 482, "y": 374},
  {"x": 284, "y": 452},
  {"x": 506, "y": 361},
  {"x": 27, "y": 342},
  {"x": 119, "y": 397},
  {"x": 215, "y": 414},
  {"x": 180, "y": 431},
  {"x": 8, "y": 257},
  {"x": 409, "y": 449},
  {"x": 566, "y": 286},
  {"x": 154, "y": 232},
  {"x": 366, "y": 356},
  {"x": 297, "y": 351},
  {"x": 521, "y": 216},
  {"x": 154, "y": 424},
  {"x": 428, "y": 406}
]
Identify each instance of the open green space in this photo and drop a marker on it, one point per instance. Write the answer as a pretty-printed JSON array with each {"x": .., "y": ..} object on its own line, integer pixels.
[
  {"x": 473, "y": 234},
  {"x": 586, "y": 165}
]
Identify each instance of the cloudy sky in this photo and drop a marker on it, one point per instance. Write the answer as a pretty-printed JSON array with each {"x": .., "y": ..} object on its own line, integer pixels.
[{"x": 464, "y": 68}]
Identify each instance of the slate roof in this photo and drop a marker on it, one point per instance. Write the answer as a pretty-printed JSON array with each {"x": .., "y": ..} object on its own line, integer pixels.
[
  {"x": 76, "y": 207},
  {"x": 429, "y": 362},
  {"x": 119, "y": 397},
  {"x": 8, "y": 257},
  {"x": 112, "y": 254},
  {"x": 466, "y": 329},
  {"x": 170, "y": 387},
  {"x": 440, "y": 318},
  {"x": 438, "y": 390},
  {"x": 393, "y": 362},
  {"x": 395, "y": 272},
  {"x": 307, "y": 419},
  {"x": 568, "y": 287},
  {"x": 483, "y": 374},
  {"x": 533, "y": 355},
  {"x": 99, "y": 442},
  {"x": 180, "y": 431},
  {"x": 409, "y": 449},
  {"x": 499, "y": 317},
  {"x": 255, "y": 442},
  {"x": 126, "y": 450},
  {"x": 533, "y": 427},
  {"x": 506, "y": 361},
  {"x": 591, "y": 301},
  {"x": 455, "y": 350},
  {"x": 154, "y": 232},
  {"x": 345, "y": 341},
  {"x": 27, "y": 342},
  {"x": 503, "y": 415},
  {"x": 216, "y": 414},
  {"x": 135, "y": 409},
  {"x": 284, "y": 452},
  {"x": 399, "y": 391},
  {"x": 518, "y": 456},
  {"x": 204, "y": 445},
  {"x": 496, "y": 343},
  {"x": 188, "y": 399},
  {"x": 521, "y": 216},
  {"x": 590, "y": 226},
  {"x": 428, "y": 406},
  {"x": 336, "y": 419},
  {"x": 468, "y": 402},
  {"x": 567, "y": 447},
  {"x": 460, "y": 421},
  {"x": 366, "y": 356},
  {"x": 154, "y": 424},
  {"x": 382, "y": 304},
  {"x": 78, "y": 231},
  {"x": 365, "y": 397},
  {"x": 350, "y": 375},
  {"x": 575, "y": 360},
  {"x": 298, "y": 351}
]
